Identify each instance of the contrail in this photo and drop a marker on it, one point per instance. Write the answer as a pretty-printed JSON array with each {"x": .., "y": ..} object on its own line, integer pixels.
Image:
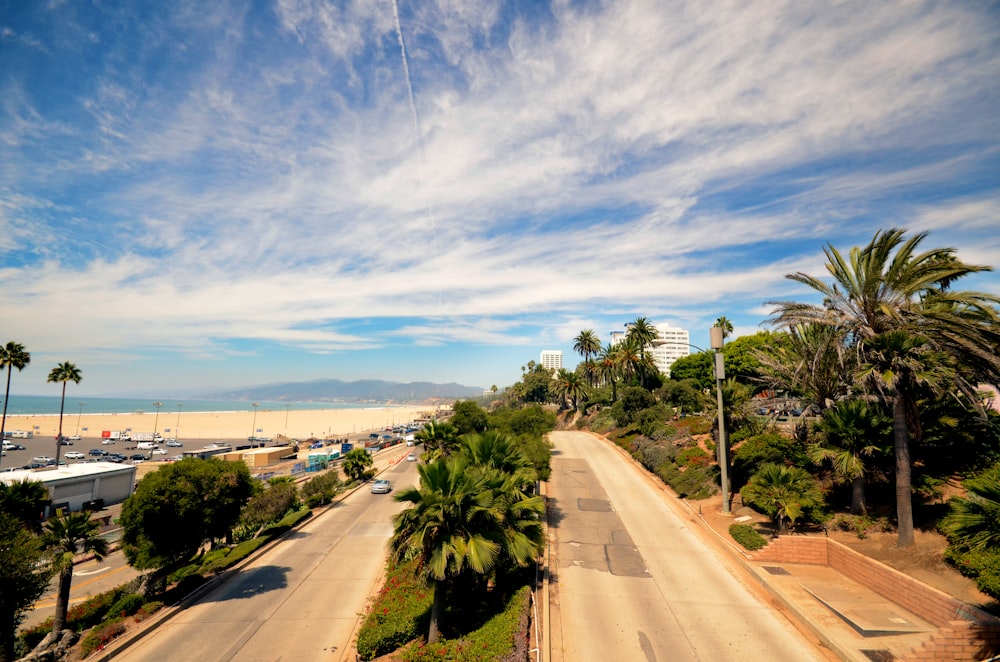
[
  {"x": 406, "y": 68},
  {"x": 413, "y": 110}
]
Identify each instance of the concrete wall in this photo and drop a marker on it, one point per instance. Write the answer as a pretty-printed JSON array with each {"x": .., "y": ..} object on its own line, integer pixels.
[{"x": 964, "y": 632}]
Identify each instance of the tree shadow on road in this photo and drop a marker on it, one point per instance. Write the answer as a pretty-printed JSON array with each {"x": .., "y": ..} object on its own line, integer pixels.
[{"x": 254, "y": 582}]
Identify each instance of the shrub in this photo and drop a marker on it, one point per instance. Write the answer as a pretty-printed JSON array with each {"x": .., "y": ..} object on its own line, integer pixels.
[
  {"x": 861, "y": 525},
  {"x": 100, "y": 636},
  {"x": 126, "y": 605},
  {"x": 747, "y": 536},
  {"x": 148, "y": 610},
  {"x": 399, "y": 613},
  {"x": 695, "y": 483},
  {"x": 321, "y": 489},
  {"x": 653, "y": 455},
  {"x": 693, "y": 456},
  {"x": 982, "y": 565},
  {"x": 495, "y": 640},
  {"x": 183, "y": 572}
]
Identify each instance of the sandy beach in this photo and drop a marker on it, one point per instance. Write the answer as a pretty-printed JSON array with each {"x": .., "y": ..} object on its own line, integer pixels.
[{"x": 296, "y": 424}]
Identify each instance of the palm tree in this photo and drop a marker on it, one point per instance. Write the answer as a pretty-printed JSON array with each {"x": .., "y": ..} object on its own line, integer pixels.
[
  {"x": 569, "y": 387},
  {"x": 897, "y": 312},
  {"x": 587, "y": 344},
  {"x": 726, "y": 326},
  {"x": 12, "y": 355},
  {"x": 608, "y": 368},
  {"x": 643, "y": 333},
  {"x": 25, "y": 500},
  {"x": 812, "y": 361},
  {"x": 64, "y": 372},
  {"x": 972, "y": 522},
  {"x": 853, "y": 431},
  {"x": 784, "y": 493},
  {"x": 439, "y": 439},
  {"x": 495, "y": 450},
  {"x": 629, "y": 356},
  {"x": 68, "y": 536}
]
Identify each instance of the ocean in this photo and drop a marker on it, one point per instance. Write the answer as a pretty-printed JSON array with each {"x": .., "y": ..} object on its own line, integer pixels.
[{"x": 44, "y": 404}]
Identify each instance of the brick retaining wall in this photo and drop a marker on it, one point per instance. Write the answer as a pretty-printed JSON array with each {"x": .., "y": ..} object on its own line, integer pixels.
[{"x": 965, "y": 632}]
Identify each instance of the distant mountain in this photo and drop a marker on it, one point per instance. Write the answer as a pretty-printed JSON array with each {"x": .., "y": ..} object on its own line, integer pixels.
[{"x": 365, "y": 390}]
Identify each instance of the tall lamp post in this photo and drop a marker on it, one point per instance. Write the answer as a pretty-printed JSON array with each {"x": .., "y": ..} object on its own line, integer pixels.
[
  {"x": 253, "y": 428},
  {"x": 287, "y": 407},
  {"x": 717, "y": 340},
  {"x": 156, "y": 420},
  {"x": 79, "y": 414},
  {"x": 177, "y": 427}
]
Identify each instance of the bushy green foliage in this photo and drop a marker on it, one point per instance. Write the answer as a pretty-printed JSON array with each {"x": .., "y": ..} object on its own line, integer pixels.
[
  {"x": 126, "y": 605},
  {"x": 631, "y": 401},
  {"x": 653, "y": 422},
  {"x": 321, "y": 489},
  {"x": 270, "y": 505},
  {"x": 101, "y": 636},
  {"x": 695, "y": 483},
  {"x": 983, "y": 565},
  {"x": 495, "y": 640},
  {"x": 147, "y": 610},
  {"x": 693, "y": 456},
  {"x": 531, "y": 420},
  {"x": 468, "y": 417},
  {"x": 356, "y": 463},
  {"x": 766, "y": 448},
  {"x": 653, "y": 455},
  {"x": 747, "y": 536},
  {"x": 181, "y": 505},
  {"x": 80, "y": 616},
  {"x": 399, "y": 613},
  {"x": 183, "y": 571}
]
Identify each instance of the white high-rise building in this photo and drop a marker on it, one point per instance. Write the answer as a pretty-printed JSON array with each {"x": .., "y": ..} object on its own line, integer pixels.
[
  {"x": 551, "y": 359},
  {"x": 671, "y": 344}
]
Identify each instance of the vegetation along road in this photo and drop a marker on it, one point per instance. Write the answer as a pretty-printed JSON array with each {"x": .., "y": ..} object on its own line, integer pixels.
[
  {"x": 300, "y": 600},
  {"x": 632, "y": 582}
]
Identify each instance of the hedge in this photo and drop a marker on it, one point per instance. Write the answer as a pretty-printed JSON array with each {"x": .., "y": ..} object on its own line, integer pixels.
[{"x": 747, "y": 536}]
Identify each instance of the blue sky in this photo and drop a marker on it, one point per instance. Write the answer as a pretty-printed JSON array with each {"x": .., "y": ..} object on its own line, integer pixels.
[{"x": 197, "y": 195}]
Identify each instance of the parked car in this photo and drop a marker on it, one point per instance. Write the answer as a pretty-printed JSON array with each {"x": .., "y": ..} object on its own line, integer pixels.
[
  {"x": 159, "y": 451},
  {"x": 65, "y": 441},
  {"x": 107, "y": 442},
  {"x": 34, "y": 465},
  {"x": 173, "y": 443},
  {"x": 42, "y": 459},
  {"x": 75, "y": 437},
  {"x": 115, "y": 457},
  {"x": 8, "y": 446},
  {"x": 137, "y": 457},
  {"x": 99, "y": 452},
  {"x": 315, "y": 445},
  {"x": 381, "y": 486},
  {"x": 74, "y": 455}
]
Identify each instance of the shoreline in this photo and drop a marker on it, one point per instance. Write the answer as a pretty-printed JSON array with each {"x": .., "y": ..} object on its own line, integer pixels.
[{"x": 294, "y": 424}]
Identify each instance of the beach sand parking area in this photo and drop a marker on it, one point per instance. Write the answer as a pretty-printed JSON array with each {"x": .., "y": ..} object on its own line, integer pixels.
[{"x": 209, "y": 426}]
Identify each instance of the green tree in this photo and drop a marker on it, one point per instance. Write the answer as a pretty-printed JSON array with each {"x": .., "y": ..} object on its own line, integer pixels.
[
  {"x": 180, "y": 506},
  {"x": 468, "y": 417},
  {"x": 634, "y": 399},
  {"x": 438, "y": 438},
  {"x": 852, "y": 431},
  {"x": 642, "y": 332},
  {"x": 495, "y": 450},
  {"x": 12, "y": 355},
  {"x": 726, "y": 326},
  {"x": 810, "y": 361},
  {"x": 25, "y": 500},
  {"x": 569, "y": 388},
  {"x": 66, "y": 537},
  {"x": 22, "y": 580},
  {"x": 896, "y": 308},
  {"x": 784, "y": 493},
  {"x": 974, "y": 520},
  {"x": 64, "y": 372},
  {"x": 587, "y": 344},
  {"x": 694, "y": 367},
  {"x": 463, "y": 518},
  {"x": 356, "y": 464},
  {"x": 609, "y": 369},
  {"x": 270, "y": 505}
]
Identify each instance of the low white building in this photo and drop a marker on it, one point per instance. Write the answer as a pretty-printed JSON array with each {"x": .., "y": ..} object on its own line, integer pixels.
[{"x": 73, "y": 487}]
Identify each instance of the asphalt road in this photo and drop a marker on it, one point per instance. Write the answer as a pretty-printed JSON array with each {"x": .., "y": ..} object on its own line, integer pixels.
[
  {"x": 632, "y": 582},
  {"x": 300, "y": 600}
]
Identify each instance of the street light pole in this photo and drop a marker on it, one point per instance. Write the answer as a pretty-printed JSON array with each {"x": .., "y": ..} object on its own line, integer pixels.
[
  {"x": 287, "y": 407},
  {"x": 156, "y": 420},
  {"x": 177, "y": 427},
  {"x": 253, "y": 428},
  {"x": 717, "y": 340},
  {"x": 78, "y": 415}
]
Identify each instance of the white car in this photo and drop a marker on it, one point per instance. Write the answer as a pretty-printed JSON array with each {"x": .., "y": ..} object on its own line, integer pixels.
[
  {"x": 173, "y": 443},
  {"x": 108, "y": 441},
  {"x": 381, "y": 486},
  {"x": 74, "y": 455},
  {"x": 159, "y": 451}
]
